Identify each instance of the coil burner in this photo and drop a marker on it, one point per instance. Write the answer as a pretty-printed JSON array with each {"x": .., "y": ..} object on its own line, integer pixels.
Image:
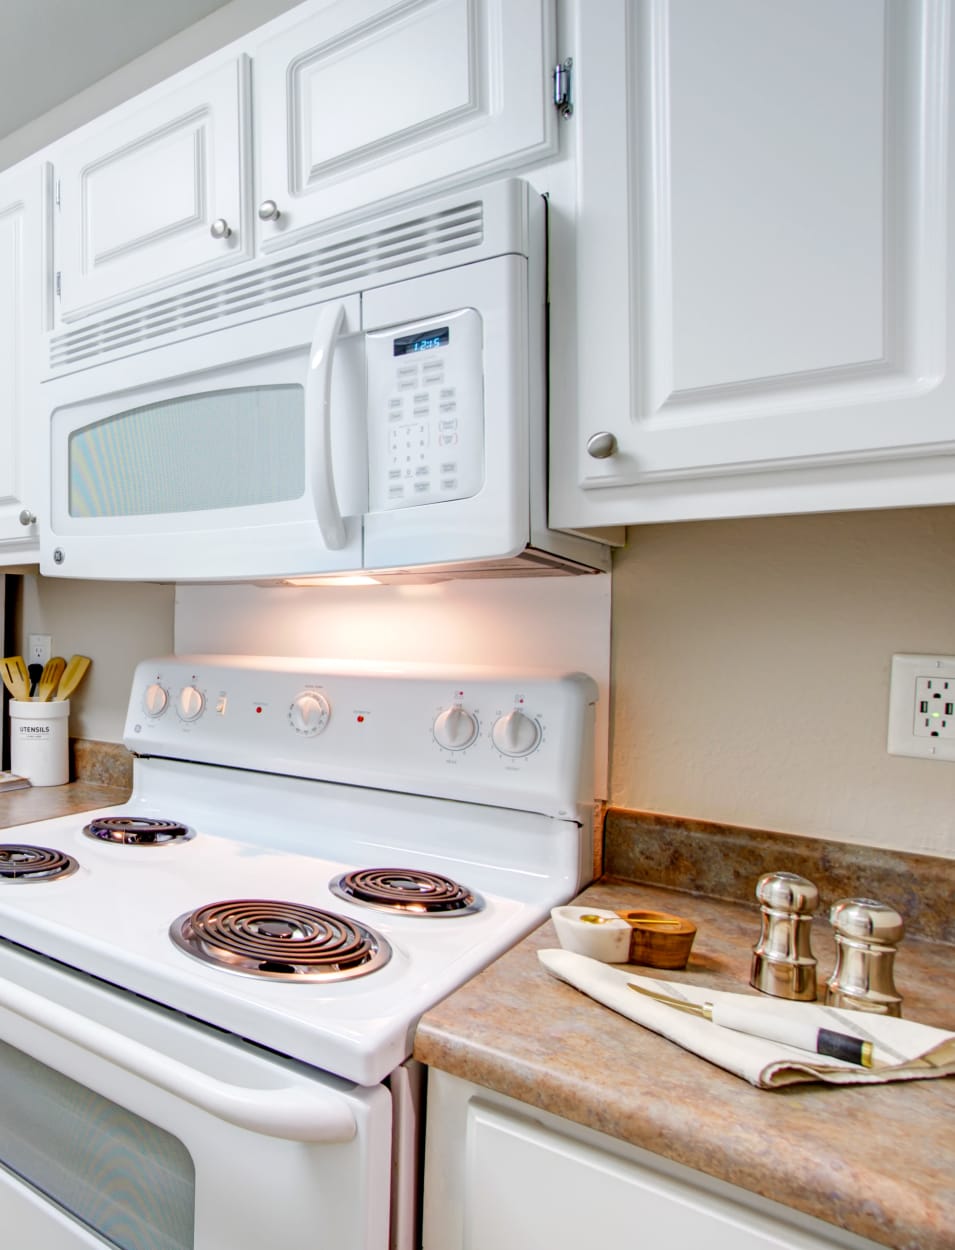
[
  {"x": 407, "y": 891},
  {"x": 34, "y": 863},
  {"x": 137, "y": 831},
  {"x": 284, "y": 941}
]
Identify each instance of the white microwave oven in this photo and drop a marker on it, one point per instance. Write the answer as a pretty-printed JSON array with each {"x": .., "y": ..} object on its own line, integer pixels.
[{"x": 375, "y": 403}]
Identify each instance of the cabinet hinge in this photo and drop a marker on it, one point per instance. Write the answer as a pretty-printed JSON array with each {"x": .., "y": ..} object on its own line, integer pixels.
[
  {"x": 58, "y": 284},
  {"x": 563, "y": 99}
]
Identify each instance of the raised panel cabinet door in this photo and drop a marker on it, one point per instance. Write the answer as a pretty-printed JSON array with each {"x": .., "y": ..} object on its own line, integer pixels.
[
  {"x": 372, "y": 101},
  {"x": 21, "y": 262},
  {"x": 765, "y": 262},
  {"x": 154, "y": 193}
]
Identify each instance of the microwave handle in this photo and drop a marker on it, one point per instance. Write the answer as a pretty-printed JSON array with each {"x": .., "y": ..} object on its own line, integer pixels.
[
  {"x": 295, "y": 1114},
  {"x": 318, "y": 417}
]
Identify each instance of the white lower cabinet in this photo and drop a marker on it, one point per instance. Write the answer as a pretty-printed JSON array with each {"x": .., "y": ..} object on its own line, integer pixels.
[
  {"x": 500, "y": 1175},
  {"x": 765, "y": 260},
  {"x": 21, "y": 300}
]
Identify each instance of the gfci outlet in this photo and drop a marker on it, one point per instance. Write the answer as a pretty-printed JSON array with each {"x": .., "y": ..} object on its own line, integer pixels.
[{"x": 922, "y": 706}]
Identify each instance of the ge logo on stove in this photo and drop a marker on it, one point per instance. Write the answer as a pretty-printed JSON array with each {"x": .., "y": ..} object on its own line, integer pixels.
[{"x": 310, "y": 713}]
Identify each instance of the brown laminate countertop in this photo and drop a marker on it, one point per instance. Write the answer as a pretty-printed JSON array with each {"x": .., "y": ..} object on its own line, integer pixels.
[
  {"x": 878, "y": 1161},
  {"x": 22, "y": 807}
]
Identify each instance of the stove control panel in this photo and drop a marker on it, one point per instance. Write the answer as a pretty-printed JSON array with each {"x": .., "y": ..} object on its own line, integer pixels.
[{"x": 517, "y": 740}]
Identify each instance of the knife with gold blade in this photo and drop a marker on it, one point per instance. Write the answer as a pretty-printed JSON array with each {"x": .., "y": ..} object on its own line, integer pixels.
[{"x": 789, "y": 1032}]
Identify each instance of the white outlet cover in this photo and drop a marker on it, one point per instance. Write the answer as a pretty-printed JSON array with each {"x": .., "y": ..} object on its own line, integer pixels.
[{"x": 904, "y": 693}]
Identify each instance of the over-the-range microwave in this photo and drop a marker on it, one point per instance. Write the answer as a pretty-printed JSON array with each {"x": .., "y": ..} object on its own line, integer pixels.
[{"x": 373, "y": 402}]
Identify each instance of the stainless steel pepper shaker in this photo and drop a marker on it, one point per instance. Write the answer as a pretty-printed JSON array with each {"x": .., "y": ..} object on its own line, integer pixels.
[
  {"x": 783, "y": 962},
  {"x": 866, "y": 934}
]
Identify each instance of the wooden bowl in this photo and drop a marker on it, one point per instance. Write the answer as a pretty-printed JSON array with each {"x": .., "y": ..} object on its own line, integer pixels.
[{"x": 658, "y": 939}]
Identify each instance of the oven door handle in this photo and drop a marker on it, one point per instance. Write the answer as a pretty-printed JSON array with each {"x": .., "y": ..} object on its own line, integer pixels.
[
  {"x": 318, "y": 417},
  {"x": 306, "y": 1114}
]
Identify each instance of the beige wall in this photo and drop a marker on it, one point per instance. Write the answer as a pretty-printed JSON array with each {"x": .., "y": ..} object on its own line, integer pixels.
[
  {"x": 116, "y": 624},
  {"x": 750, "y": 664}
]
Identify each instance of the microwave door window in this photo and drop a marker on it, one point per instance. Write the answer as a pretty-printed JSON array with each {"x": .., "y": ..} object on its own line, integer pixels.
[{"x": 223, "y": 449}]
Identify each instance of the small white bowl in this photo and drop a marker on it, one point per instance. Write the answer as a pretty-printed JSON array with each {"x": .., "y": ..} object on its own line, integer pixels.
[{"x": 606, "y": 937}]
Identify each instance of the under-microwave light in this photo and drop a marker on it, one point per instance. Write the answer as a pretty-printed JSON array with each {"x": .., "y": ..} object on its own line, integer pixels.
[{"x": 347, "y": 579}]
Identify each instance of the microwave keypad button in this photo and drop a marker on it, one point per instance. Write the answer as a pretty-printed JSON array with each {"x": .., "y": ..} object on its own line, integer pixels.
[
  {"x": 422, "y": 488},
  {"x": 447, "y": 392},
  {"x": 446, "y": 425},
  {"x": 447, "y": 440},
  {"x": 449, "y": 466},
  {"x": 408, "y": 371},
  {"x": 448, "y": 405},
  {"x": 396, "y": 492},
  {"x": 394, "y": 475},
  {"x": 408, "y": 384},
  {"x": 422, "y": 470},
  {"x": 449, "y": 483}
]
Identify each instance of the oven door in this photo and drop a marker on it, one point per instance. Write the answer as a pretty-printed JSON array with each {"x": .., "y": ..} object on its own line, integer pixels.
[
  {"x": 235, "y": 455},
  {"x": 123, "y": 1124}
]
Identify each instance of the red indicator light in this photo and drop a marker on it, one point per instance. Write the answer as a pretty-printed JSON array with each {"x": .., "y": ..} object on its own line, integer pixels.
[
  {"x": 360, "y": 719},
  {"x": 257, "y": 711}
]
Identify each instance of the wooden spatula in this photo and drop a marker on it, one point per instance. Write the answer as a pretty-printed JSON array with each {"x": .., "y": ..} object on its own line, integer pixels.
[
  {"x": 15, "y": 676},
  {"x": 50, "y": 678},
  {"x": 74, "y": 673}
]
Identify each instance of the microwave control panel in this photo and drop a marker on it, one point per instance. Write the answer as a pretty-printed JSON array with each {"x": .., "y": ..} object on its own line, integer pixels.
[{"x": 426, "y": 411}]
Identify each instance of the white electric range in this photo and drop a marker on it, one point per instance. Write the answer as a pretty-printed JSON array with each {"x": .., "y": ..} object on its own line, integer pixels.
[{"x": 219, "y": 981}]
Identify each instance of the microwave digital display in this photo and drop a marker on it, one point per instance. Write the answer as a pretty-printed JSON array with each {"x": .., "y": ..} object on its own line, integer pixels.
[{"x": 422, "y": 342}]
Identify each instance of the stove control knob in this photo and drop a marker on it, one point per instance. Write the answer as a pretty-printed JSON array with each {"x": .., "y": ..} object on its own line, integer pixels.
[
  {"x": 190, "y": 704},
  {"x": 454, "y": 728},
  {"x": 309, "y": 713},
  {"x": 516, "y": 734},
  {"x": 155, "y": 700}
]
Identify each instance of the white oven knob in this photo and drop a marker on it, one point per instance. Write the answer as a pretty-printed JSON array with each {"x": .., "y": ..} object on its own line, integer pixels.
[
  {"x": 155, "y": 700},
  {"x": 454, "y": 728},
  {"x": 190, "y": 704},
  {"x": 309, "y": 713},
  {"x": 516, "y": 734}
]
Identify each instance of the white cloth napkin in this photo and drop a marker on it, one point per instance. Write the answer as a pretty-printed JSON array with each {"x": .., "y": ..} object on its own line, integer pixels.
[{"x": 902, "y": 1050}]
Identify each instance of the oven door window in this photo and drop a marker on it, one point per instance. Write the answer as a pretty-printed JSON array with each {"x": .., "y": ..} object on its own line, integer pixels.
[
  {"x": 219, "y": 449},
  {"x": 126, "y": 1179}
]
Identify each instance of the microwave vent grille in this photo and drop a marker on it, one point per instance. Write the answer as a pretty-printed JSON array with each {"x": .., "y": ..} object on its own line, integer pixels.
[{"x": 271, "y": 285}]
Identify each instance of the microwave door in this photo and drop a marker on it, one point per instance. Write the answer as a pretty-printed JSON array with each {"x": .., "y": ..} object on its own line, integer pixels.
[{"x": 233, "y": 456}]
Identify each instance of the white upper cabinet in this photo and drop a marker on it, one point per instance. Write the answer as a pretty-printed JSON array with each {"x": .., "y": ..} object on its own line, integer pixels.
[
  {"x": 765, "y": 260},
  {"x": 367, "y": 101},
  {"x": 21, "y": 267},
  {"x": 155, "y": 193}
]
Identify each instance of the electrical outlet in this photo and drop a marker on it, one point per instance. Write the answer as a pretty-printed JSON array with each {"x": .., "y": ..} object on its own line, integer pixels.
[
  {"x": 39, "y": 648},
  {"x": 922, "y": 706}
]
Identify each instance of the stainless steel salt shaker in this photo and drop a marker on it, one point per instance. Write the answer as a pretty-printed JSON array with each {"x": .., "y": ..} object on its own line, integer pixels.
[
  {"x": 866, "y": 936},
  {"x": 783, "y": 962}
]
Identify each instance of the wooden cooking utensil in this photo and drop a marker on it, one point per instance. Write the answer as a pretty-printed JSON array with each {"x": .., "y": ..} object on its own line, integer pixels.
[
  {"x": 73, "y": 675},
  {"x": 15, "y": 676},
  {"x": 50, "y": 678}
]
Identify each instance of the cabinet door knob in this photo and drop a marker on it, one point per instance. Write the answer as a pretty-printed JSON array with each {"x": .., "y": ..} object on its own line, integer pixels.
[
  {"x": 269, "y": 211},
  {"x": 220, "y": 228},
  {"x": 27, "y": 517},
  {"x": 601, "y": 445}
]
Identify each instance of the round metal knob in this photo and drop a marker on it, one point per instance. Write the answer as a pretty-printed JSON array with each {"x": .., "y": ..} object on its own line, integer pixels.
[
  {"x": 602, "y": 445},
  {"x": 269, "y": 211},
  {"x": 27, "y": 517},
  {"x": 220, "y": 229}
]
